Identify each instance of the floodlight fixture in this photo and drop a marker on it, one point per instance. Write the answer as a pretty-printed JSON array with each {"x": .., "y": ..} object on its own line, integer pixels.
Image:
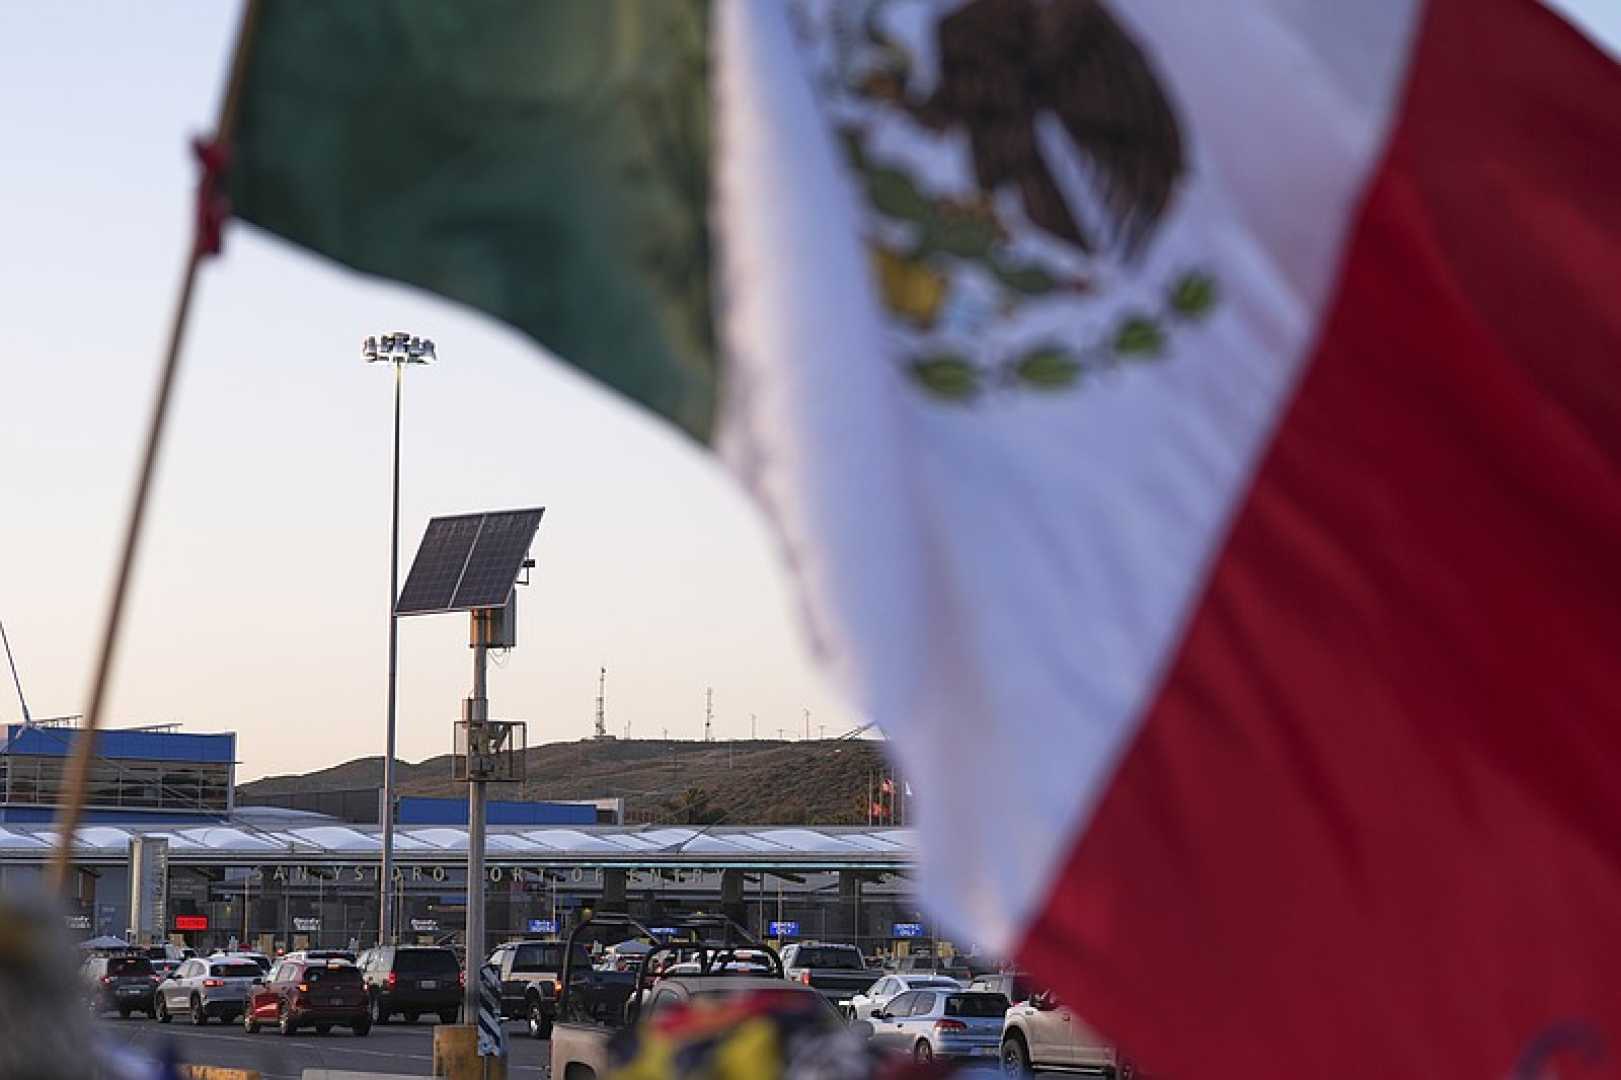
[{"x": 398, "y": 348}]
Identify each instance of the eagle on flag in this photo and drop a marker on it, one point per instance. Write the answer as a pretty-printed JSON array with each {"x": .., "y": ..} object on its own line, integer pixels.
[{"x": 1004, "y": 64}]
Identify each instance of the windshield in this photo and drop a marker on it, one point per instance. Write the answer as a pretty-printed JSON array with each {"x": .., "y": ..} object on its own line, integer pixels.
[
  {"x": 129, "y": 965},
  {"x": 334, "y": 976},
  {"x": 425, "y": 961},
  {"x": 830, "y": 956},
  {"x": 547, "y": 957},
  {"x": 243, "y": 970},
  {"x": 992, "y": 1005}
]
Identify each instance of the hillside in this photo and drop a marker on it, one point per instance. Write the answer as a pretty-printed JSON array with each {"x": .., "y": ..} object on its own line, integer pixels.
[{"x": 757, "y": 782}]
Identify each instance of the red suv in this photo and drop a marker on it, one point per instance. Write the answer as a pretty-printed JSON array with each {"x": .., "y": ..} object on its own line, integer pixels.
[{"x": 321, "y": 994}]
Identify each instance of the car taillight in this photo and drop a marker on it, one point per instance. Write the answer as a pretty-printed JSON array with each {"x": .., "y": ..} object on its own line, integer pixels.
[
  {"x": 461, "y": 978},
  {"x": 392, "y": 980},
  {"x": 950, "y": 1025},
  {"x": 213, "y": 982},
  {"x": 804, "y": 977},
  {"x": 106, "y": 980},
  {"x": 303, "y": 988}
]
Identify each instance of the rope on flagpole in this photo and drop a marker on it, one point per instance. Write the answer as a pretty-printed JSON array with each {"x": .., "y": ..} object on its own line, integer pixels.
[{"x": 212, "y": 209}]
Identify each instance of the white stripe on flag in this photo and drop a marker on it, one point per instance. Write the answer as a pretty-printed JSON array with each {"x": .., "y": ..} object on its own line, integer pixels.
[{"x": 1000, "y": 583}]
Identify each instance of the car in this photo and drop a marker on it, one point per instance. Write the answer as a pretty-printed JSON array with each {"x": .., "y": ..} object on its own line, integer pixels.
[
  {"x": 245, "y": 954},
  {"x": 880, "y": 993},
  {"x": 1013, "y": 985},
  {"x": 531, "y": 975},
  {"x": 930, "y": 1024},
  {"x": 597, "y": 1004},
  {"x": 321, "y": 954},
  {"x": 580, "y": 1049},
  {"x": 412, "y": 980},
  {"x": 838, "y": 971},
  {"x": 219, "y": 986},
  {"x": 124, "y": 983},
  {"x": 954, "y": 966},
  {"x": 1043, "y": 1033},
  {"x": 321, "y": 994},
  {"x": 160, "y": 952}
]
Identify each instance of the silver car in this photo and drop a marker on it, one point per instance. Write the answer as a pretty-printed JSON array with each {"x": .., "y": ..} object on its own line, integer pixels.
[
  {"x": 887, "y": 989},
  {"x": 218, "y": 986},
  {"x": 929, "y": 1024}
]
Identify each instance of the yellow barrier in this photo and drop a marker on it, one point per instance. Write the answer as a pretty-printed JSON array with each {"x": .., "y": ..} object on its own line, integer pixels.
[
  {"x": 216, "y": 1072},
  {"x": 455, "y": 1055}
]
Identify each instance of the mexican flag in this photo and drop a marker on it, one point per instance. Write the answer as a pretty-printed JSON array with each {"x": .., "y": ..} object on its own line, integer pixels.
[{"x": 1194, "y": 431}]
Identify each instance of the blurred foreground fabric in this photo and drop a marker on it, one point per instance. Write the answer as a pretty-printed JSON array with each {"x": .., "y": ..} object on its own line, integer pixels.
[{"x": 1194, "y": 429}]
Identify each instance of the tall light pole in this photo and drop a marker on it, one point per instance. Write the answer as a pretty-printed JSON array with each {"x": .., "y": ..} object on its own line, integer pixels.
[{"x": 397, "y": 349}]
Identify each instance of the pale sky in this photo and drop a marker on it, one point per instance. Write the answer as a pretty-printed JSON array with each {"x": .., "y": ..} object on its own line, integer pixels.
[{"x": 261, "y": 602}]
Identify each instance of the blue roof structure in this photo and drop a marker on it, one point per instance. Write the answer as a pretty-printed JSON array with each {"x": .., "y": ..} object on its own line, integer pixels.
[{"x": 128, "y": 745}]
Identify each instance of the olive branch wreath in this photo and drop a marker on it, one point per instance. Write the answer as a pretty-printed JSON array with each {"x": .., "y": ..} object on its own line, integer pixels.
[{"x": 1138, "y": 337}]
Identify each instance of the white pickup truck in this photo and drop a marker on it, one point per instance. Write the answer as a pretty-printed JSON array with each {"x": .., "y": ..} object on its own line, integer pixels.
[{"x": 595, "y": 1004}]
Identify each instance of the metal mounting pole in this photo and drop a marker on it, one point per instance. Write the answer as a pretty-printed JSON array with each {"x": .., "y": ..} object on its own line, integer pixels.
[
  {"x": 386, "y": 933},
  {"x": 477, "y": 711}
]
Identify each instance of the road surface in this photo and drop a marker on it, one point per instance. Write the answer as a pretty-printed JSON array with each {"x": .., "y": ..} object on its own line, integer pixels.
[{"x": 393, "y": 1048}]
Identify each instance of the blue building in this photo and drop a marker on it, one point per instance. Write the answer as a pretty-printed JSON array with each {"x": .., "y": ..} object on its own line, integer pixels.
[{"x": 138, "y": 775}]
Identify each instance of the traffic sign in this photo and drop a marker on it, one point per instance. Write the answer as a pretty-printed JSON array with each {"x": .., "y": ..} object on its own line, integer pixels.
[{"x": 784, "y": 928}]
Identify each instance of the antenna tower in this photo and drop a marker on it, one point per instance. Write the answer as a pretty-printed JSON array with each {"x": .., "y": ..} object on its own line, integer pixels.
[
  {"x": 602, "y": 703},
  {"x": 709, "y": 714}
]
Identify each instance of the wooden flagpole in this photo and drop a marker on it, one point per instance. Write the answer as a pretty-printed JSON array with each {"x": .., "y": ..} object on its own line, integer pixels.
[{"x": 72, "y": 809}]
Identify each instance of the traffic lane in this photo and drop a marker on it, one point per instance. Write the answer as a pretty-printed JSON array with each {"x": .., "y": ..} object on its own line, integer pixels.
[{"x": 396, "y": 1048}]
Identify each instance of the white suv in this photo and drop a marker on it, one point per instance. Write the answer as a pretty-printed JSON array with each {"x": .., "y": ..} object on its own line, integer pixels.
[{"x": 1040, "y": 1034}]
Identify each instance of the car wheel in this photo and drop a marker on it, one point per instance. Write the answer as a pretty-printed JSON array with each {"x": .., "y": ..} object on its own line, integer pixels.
[
  {"x": 322, "y": 1029},
  {"x": 379, "y": 1015},
  {"x": 160, "y": 1010},
  {"x": 922, "y": 1053},
  {"x": 362, "y": 1028},
  {"x": 453, "y": 1017},
  {"x": 249, "y": 1024},
  {"x": 285, "y": 1022},
  {"x": 412, "y": 1017},
  {"x": 1015, "y": 1057},
  {"x": 199, "y": 1015},
  {"x": 123, "y": 1012}
]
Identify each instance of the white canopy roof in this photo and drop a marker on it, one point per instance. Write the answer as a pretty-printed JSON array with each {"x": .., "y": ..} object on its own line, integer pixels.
[{"x": 335, "y": 842}]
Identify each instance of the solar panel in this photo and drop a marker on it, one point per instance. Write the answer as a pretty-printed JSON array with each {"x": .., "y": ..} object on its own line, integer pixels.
[{"x": 468, "y": 561}]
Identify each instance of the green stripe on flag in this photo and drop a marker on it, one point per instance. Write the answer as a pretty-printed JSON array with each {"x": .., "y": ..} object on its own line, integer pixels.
[{"x": 547, "y": 163}]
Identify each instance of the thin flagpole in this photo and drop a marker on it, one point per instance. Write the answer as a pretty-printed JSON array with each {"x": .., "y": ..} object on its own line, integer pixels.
[{"x": 84, "y": 749}]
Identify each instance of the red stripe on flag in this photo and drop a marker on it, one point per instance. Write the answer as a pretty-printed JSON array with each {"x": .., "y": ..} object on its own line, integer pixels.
[{"x": 1372, "y": 825}]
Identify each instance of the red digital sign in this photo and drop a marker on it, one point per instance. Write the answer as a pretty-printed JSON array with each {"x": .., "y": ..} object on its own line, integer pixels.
[{"x": 191, "y": 922}]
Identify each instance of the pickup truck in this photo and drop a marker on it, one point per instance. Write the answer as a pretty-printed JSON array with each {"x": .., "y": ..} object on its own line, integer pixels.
[
  {"x": 838, "y": 971},
  {"x": 532, "y": 980},
  {"x": 596, "y": 1004}
]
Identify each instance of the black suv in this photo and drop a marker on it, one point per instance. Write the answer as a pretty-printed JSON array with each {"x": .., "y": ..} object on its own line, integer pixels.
[
  {"x": 125, "y": 983},
  {"x": 412, "y": 979}
]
